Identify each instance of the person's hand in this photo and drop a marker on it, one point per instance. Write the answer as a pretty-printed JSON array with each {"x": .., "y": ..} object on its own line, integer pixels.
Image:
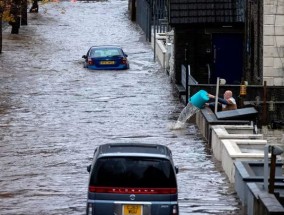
[{"x": 211, "y": 96}]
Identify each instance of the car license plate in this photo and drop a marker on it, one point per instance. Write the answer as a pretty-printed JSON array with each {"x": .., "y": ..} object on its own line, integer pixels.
[
  {"x": 132, "y": 209},
  {"x": 107, "y": 62}
]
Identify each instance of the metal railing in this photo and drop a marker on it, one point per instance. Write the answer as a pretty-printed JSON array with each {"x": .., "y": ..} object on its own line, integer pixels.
[
  {"x": 187, "y": 80},
  {"x": 151, "y": 16}
]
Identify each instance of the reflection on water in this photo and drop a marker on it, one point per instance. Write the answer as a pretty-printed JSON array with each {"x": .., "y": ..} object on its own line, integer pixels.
[{"x": 188, "y": 111}]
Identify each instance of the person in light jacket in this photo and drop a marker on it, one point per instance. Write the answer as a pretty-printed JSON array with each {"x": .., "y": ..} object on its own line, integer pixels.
[{"x": 227, "y": 103}]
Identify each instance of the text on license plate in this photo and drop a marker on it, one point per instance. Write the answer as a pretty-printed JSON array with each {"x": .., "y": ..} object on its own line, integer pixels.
[
  {"x": 107, "y": 62},
  {"x": 132, "y": 210}
]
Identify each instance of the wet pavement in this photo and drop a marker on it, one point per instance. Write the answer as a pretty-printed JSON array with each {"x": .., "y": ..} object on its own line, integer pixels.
[{"x": 53, "y": 113}]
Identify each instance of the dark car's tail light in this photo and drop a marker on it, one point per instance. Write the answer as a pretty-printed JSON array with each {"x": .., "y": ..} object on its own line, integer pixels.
[
  {"x": 124, "y": 60},
  {"x": 90, "y": 62},
  {"x": 122, "y": 190}
]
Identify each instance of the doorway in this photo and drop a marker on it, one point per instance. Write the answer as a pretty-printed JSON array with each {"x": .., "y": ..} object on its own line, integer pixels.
[{"x": 227, "y": 58}]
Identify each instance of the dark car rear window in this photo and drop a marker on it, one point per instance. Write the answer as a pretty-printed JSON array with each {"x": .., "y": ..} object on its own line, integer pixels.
[{"x": 133, "y": 172}]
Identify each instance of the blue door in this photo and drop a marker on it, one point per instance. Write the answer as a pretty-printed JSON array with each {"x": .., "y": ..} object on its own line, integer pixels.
[{"x": 227, "y": 58}]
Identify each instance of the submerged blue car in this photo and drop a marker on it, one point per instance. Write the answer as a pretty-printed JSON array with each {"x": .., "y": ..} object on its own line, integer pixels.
[{"x": 106, "y": 58}]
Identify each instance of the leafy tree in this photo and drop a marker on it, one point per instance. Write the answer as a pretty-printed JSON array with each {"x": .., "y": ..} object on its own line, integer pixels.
[
  {"x": 13, "y": 12},
  {"x": 1, "y": 13},
  {"x": 4, "y": 16}
]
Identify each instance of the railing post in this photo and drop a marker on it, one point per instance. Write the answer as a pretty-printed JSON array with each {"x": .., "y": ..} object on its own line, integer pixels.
[
  {"x": 217, "y": 94},
  {"x": 186, "y": 86}
]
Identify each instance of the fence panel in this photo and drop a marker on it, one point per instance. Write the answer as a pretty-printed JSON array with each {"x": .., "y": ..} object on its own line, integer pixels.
[
  {"x": 152, "y": 15},
  {"x": 144, "y": 17}
]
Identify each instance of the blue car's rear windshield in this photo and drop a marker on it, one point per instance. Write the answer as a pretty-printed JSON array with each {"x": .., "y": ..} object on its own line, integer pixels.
[
  {"x": 133, "y": 172},
  {"x": 106, "y": 52}
]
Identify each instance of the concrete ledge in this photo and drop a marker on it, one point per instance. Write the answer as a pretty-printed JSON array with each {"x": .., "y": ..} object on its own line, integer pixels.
[
  {"x": 161, "y": 50},
  {"x": 180, "y": 89},
  {"x": 252, "y": 171},
  {"x": 240, "y": 150},
  {"x": 261, "y": 202},
  {"x": 205, "y": 118},
  {"x": 242, "y": 113},
  {"x": 220, "y": 132},
  {"x": 161, "y": 53}
]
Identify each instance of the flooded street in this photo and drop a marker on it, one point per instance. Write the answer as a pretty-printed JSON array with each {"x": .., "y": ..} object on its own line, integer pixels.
[{"x": 53, "y": 113}]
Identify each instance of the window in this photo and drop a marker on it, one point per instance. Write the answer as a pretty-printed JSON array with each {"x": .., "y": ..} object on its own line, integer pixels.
[{"x": 133, "y": 172}]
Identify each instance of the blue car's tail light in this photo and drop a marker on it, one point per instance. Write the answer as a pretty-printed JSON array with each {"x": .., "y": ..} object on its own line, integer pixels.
[
  {"x": 90, "y": 62},
  {"x": 124, "y": 60}
]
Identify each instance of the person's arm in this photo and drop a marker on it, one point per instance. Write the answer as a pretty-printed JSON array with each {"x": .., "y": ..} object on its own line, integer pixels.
[{"x": 222, "y": 101}]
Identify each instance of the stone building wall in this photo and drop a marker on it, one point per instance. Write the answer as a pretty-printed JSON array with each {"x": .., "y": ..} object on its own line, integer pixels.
[
  {"x": 254, "y": 43},
  {"x": 273, "y": 42}
]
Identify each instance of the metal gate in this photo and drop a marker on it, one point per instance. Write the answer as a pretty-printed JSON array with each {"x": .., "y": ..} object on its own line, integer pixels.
[
  {"x": 144, "y": 17},
  {"x": 152, "y": 14}
]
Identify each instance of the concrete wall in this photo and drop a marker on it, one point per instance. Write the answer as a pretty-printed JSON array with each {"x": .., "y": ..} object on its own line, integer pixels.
[
  {"x": 260, "y": 202},
  {"x": 160, "y": 48},
  {"x": 273, "y": 42},
  {"x": 222, "y": 132},
  {"x": 252, "y": 171},
  {"x": 235, "y": 150}
]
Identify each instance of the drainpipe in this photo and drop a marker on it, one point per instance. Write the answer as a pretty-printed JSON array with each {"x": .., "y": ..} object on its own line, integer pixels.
[
  {"x": 274, "y": 150},
  {"x": 272, "y": 172}
]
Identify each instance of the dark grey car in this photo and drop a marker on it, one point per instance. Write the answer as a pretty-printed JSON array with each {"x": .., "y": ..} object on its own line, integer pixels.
[{"x": 132, "y": 179}]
